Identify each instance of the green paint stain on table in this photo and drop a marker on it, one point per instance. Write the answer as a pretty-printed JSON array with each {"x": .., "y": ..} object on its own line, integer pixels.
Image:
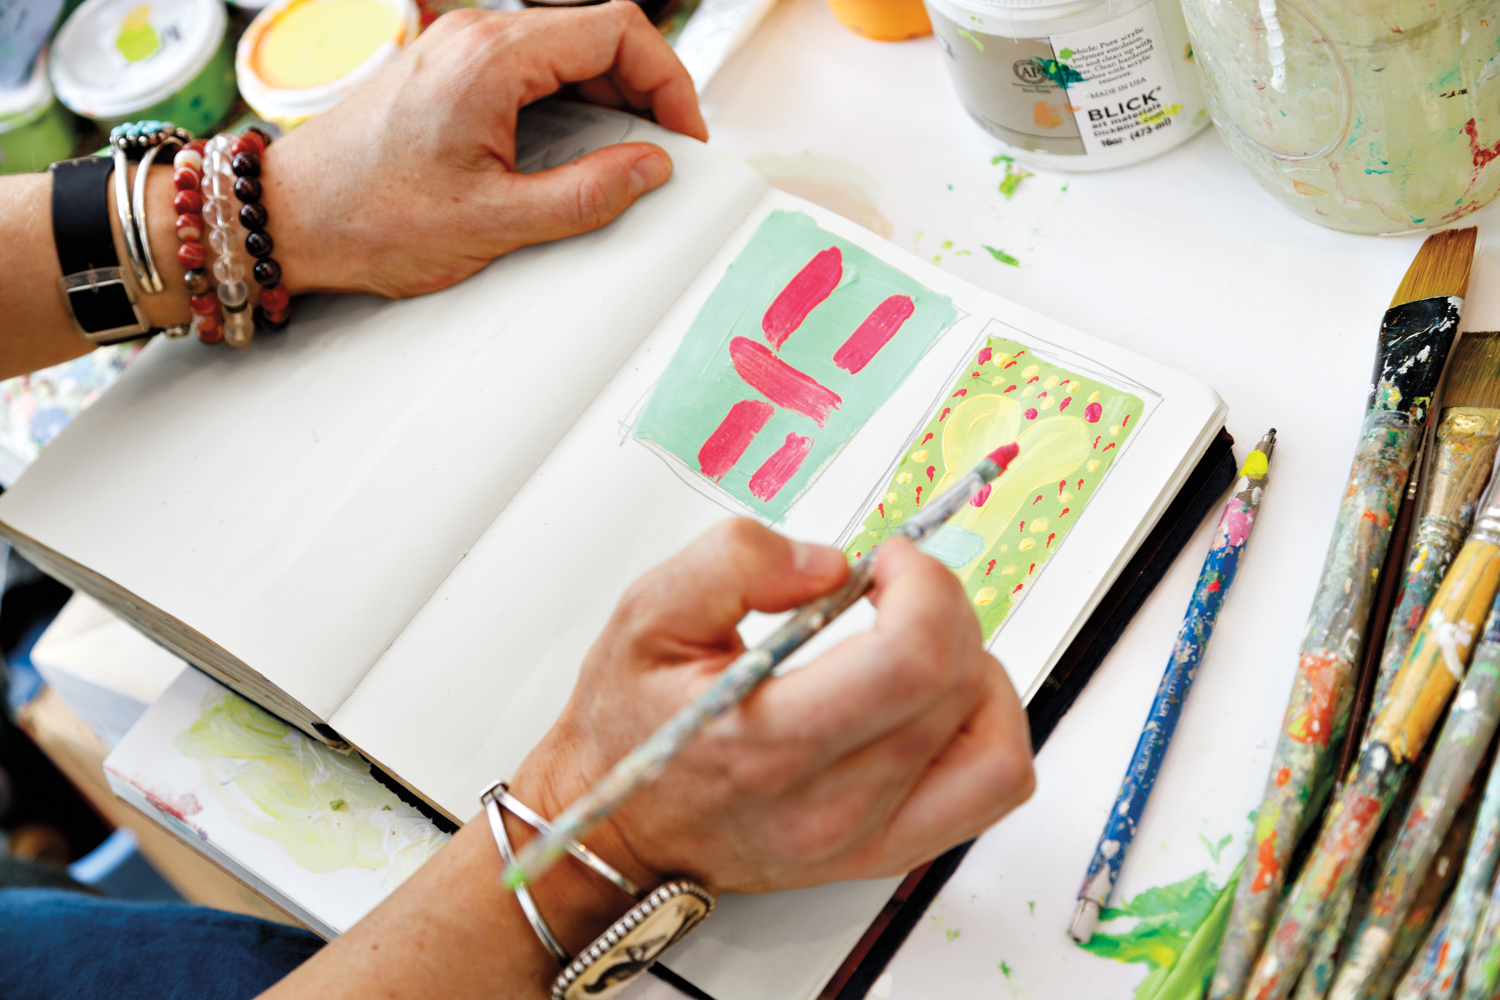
[
  {"x": 1001, "y": 256},
  {"x": 1014, "y": 175},
  {"x": 953, "y": 933},
  {"x": 1004, "y": 970},
  {"x": 1175, "y": 932}
]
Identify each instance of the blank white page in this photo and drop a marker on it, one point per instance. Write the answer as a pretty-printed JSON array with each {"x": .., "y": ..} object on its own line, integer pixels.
[
  {"x": 298, "y": 502},
  {"x": 486, "y": 666}
]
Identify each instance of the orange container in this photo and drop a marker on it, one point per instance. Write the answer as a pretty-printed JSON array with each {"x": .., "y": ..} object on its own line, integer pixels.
[{"x": 883, "y": 20}]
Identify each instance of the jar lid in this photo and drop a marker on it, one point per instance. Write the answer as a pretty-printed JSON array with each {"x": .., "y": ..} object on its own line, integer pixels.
[
  {"x": 113, "y": 58},
  {"x": 297, "y": 27},
  {"x": 1053, "y": 7},
  {"x": 27, "y": 100}
]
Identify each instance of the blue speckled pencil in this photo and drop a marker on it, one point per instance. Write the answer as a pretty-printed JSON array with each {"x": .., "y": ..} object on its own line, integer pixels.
[{"x": 1213, "y": 583}]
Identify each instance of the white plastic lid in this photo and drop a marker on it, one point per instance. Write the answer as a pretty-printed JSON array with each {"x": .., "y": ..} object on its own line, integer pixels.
[
  {"x": 113, "y": 58},
  {"x": 1051, "y": 8},
  {"x": 25, "y": 102}
]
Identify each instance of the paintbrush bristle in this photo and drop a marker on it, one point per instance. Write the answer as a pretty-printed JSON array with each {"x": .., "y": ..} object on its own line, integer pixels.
[
  {"x": 1474, "y": 379},
  {"x": 1441, "y": 268}
]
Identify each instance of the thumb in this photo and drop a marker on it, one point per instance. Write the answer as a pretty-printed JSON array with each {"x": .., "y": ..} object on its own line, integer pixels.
[
  {"x": 581, "y": 196},
  {"x": 699, "y": 595}
]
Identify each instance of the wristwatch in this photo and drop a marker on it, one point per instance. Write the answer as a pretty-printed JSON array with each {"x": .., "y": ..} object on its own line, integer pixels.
[
  {"x": 98, "y": 295},
  {"x": 633, "y": 943}
]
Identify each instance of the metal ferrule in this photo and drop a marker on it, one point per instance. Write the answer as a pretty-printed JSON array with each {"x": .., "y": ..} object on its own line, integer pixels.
[{"x": 1464, "y": 453}]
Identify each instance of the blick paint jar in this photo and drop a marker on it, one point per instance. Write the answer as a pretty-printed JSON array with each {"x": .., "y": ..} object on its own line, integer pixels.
[
  {"x": 34, "y": 128},
  {"x": 118, "y": 60},
  {"x": 1370, "y": 116},
  {"x": 1074, "y": 84}
]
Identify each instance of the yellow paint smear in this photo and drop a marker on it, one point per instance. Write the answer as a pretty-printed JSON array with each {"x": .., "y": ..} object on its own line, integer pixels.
[{"x": 314, "y": 42}]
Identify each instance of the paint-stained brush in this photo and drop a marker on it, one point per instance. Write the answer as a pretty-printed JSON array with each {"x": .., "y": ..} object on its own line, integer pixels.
[
  {"x": 1415, "y": 336},
  {"x": 735, "y": 683}
]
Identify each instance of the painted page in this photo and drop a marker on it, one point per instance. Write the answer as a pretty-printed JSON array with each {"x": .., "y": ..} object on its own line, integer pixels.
[
  {"x": 297, "y": 502},
  {"x": 802, "y": 340},
  {"x": 482, "y": 671},
  {"x": 305, "y": 826},
  {"x": 1071, "y": 427}
]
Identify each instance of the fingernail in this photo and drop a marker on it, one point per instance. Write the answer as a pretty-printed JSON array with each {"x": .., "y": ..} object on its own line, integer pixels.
[
  {"x": 650, "y": 171},
  {"x": 818, "y": 561}
]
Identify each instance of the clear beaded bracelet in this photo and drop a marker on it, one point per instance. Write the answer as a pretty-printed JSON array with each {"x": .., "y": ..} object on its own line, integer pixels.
[{"x": 223, "y": 239}]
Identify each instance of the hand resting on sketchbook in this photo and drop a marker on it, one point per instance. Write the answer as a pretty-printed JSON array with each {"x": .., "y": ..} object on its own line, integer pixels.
[{"x": 879, "y": 755}]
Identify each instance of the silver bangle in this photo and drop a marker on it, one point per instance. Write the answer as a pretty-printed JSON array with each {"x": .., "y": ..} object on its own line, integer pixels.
[
  {"x": 498, "y": 796},
  {"x": 127, "y": 219},
  {"x": 153, "y": 282}
]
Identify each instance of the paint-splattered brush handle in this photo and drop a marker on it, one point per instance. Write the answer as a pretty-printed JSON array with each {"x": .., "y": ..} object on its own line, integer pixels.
[
  {"x": 741, "y": 677},
  {"x": 1192, "y": 640}
]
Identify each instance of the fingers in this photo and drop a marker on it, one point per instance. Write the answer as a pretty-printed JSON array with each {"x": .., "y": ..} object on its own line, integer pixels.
[
  {"x": 698, "y": 596},
  {"x": 923, "y": 645},
  {"x": 577, "y": 197}
]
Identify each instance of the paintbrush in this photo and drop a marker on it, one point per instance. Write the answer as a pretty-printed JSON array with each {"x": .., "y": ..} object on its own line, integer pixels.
[
  {"x": 1415, "y": 336},
  {"x": 1437, "y": 973},
  {"x": 647, "y": 760},
  {"x": 1467, "y": 435},
  {"x": 1436, "y": 661},
  {"x": 1318, "y": 976},
  {"x": 1461, "y": 747}
]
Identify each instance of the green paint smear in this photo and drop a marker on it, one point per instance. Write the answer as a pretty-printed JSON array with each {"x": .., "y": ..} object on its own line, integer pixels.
[
  {"x": 1059, "y": 72},
  {"x": 323, "y": 807},
  {"x": 977, "y": 43},
  {"x": 1001, "y": 256},
  {"x": 700, "y": 384},
  {"x": 1005, "y": 970},
  {"x": 1009, "y": 539},
  {"x": 1014, "y": 175},
  {"x": 1176, "y": 933}
]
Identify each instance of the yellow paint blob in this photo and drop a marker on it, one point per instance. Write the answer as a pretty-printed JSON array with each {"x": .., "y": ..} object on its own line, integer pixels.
[
  {"x": 997, "y": 380},
  {"x": 1028, "y": 391},
  {"x": 1093, "y": 465},
  {"x": 314, "y": 42},
  {"x": 1038, "y": 526},
  {"x": 1065, "y": 497},
  {"x": 1114, "y": 431},
  {"x": 905, "y": 477},
  {"x": 1002, "y": 360},
  {"x": 1255, "y": 464},
  {"x": 1093, "y": 396},
  {"x": 1029, "y": 371},
  {"x": 890, "y": 498},
  {"x": 1027, "y": 544},
  {"x": 1004, "y": 548},
  {"x": 1074, "y": 386},
  {"x": 919, "y": 456},
  {"x": 986, "y": 595},
  {"x": 1045, "y": 404},
  {"x": 1008, "y": 571},
  {"x": 1050, "y": 382}
]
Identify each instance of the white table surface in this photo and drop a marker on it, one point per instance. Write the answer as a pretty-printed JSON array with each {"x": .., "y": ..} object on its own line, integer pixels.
[{"x": 1183, "y": 259}]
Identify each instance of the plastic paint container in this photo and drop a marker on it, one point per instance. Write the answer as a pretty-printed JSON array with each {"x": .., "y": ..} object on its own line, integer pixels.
[
  {"x": 118, "y": 60},
  {"x": 299, "y": 58},
  {"x": 34, "y": 128},
  {"x": 1074, "y": 84},
  {"x": 1369, "y": 116},
  {"x": 883, "y": 20}
]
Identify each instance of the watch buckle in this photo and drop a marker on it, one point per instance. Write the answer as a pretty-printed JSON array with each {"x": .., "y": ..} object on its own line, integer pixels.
[{"x": 92, "y": 282}]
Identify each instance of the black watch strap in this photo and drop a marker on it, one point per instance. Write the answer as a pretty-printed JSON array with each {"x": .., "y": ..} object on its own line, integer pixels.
[{"x": 93, "y": 284}]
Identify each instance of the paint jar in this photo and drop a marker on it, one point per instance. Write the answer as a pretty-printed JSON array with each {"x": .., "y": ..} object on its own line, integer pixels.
[
  {"x": 1369, "y": 116},
  {"x": 883, "y": 20},
  {"x": 299, "y": 58},
  {"x": 34, "y": 129},
  {"x": 1074, "y": 84},
  {"x": 118, "y": 60}
]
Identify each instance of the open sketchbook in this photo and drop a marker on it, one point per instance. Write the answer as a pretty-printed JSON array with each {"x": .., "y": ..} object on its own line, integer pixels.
[{"x": 402, "y": 524}]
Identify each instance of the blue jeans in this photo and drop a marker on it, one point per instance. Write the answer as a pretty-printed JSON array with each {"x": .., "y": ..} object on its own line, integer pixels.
[{"x": 56, "y": 944}]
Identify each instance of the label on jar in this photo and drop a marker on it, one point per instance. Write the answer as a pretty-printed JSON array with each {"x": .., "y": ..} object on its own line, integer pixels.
[{"x": 1109, "y": 88}]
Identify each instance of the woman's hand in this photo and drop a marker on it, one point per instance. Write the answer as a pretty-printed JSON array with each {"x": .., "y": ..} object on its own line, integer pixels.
[
  {"x": 880, "y": 754},
  {"x": 408, "y": 185}
]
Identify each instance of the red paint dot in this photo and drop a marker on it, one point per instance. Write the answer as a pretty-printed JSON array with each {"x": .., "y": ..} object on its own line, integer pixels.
[
  {"x": 1049, "y": 540},
  {"x": 1022, "y": 528},
  {"x": 984, "y": 356},
  {"x": 930, "y": 470},
  {"x": 1065, "y": 512},
  {"x": 1009, "y": 388},
  {"x": 1031, "y": 570},
  {"x": 991, "y": 568},
  {"x": 1283, "y": 776},
  {"x": 919, "y": 496},
  {"x": 1064, "y": 404},
  {"x": 1093, "y": 412},
  {"x": 1034, "y": 378},
  {"x": 1109, "y": 446},
  {"x": 1125, "y": 421},
  {"x": 881, "y": 507},
  {"x": 1037, "y": 500},
  {"x": 948, "y": 409},
  {"x": 1061, "y": 485},
  {"x": 1012, "y": 363},
  {"x": 1017, "y": 588},
  {"x": 858, "y": 554},
  {"x": 978, "y": 499},
  {"x": 1041, "y": 395},
  {"x": 1031, "y": 414},
  {"x": 1096, "y": 440},
  {"x": 927, "y": 438},
  {"x": 1080, "y": 484},
  {"x": 973, "y": 374},
  {"x": 961, "y": 392}
]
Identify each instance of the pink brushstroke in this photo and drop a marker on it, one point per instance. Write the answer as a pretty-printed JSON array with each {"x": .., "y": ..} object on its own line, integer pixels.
[
  {"x": 780, "y": 382},
  {"x": 780, "y": 467},
  {"x": 873, "y": 334},
  {"x": 733, "y": 435},
  {"x": 802, "y": 294},
  {"x": 978, "y": 499}
]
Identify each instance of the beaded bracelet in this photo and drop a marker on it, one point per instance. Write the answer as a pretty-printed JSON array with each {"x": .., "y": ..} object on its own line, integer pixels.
[
  {"x": 274, "y": 307},
  {"x": 233, "y": 295},
  {"x": 187, "y": 178}
]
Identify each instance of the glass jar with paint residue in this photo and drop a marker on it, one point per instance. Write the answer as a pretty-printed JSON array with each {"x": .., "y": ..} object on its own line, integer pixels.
[
  {"x": 1074, "y": 84},
  {"x": 1369, "y": 116}
]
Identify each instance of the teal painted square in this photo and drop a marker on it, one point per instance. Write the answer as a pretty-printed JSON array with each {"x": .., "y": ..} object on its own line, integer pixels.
[{"x": 700, "y": 384}]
